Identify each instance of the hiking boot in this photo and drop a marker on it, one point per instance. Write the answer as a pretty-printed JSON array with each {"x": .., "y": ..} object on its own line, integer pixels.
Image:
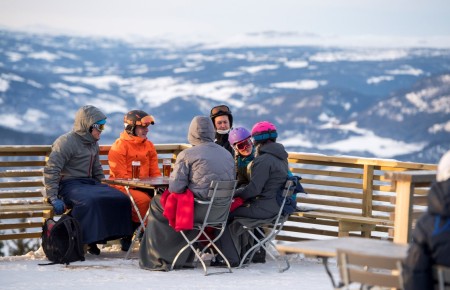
[
  {"x": 125, "y": 243},
  {"x": 259, "y": 256},
  {"x": 93, "y": 249}
]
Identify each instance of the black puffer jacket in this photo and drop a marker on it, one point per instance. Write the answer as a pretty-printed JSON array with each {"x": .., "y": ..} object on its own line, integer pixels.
[
  {"x": 431, "y": 240},
  {"x": 268, "y": 174}
]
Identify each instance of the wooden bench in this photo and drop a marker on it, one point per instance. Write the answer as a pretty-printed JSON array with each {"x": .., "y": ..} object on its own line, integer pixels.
[
  {"x": 347, "y": 222},
  {"x": 23, "y": 207},
  {"x": 348, "y": 194}
]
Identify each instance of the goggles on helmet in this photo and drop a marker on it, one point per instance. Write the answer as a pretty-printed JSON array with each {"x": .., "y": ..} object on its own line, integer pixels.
[
  {"x": 99, "y": 127},
  {"x": 220, "y": 110},
  {"x": 244, "y": 144},
  {"x": 146, "y": 121}
]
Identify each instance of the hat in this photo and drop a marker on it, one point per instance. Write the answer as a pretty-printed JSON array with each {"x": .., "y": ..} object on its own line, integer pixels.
[{"x": 443, "y": 170}]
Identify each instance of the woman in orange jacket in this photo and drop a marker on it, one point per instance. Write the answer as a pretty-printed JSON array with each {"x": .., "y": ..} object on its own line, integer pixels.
[{"x": 133, "y": 145}]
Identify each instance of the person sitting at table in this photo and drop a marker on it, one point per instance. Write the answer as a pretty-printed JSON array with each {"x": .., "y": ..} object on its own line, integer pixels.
[
  {"x": 223, "y": 122},
  {"x": 194, "y": 169},
  {"x": 133, "y": 145},
  {"x": 431, "y": 237},
  {"x": 72, "y": 178},
  {"x": 268, "y": 173}
]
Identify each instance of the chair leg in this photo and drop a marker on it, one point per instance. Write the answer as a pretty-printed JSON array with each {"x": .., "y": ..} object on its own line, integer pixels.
[{"x": 261, "y": 243}]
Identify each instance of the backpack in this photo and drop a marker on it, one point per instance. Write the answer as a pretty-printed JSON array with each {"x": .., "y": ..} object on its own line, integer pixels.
[
  {"x": 61, "y": 240},
  {"x": 291, "y": 203}
]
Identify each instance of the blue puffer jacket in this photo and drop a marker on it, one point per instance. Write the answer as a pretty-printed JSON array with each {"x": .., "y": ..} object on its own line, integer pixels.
[{"x": 431, "y": 240}]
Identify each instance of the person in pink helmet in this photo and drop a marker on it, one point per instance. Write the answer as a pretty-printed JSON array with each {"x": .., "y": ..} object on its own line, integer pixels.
[{"x": 268, "y": 173}]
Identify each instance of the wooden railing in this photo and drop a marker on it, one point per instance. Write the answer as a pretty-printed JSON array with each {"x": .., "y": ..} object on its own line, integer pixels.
[{"x": 346, "y": 194}]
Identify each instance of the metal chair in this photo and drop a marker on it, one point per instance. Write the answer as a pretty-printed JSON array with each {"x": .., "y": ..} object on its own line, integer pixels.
[
  {"x": 441, "y": 276},
  {"x": 220, "y": 196},
  {"x": 369, "y": 270},
  {"x": 272, "y": 227},
  {"x": 135, "y": 236}
]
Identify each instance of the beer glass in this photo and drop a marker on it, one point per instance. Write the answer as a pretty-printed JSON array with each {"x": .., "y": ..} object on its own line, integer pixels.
[
  {"x": 135, "y": 169},
  {"x": 167, "y": 166}
]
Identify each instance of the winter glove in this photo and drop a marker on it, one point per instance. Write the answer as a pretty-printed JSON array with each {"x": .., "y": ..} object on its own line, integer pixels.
[{"x": 58, "y": 206}]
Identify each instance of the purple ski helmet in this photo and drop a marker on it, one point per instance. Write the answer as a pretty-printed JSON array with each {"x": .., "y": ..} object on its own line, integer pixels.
[{"x": 238, "y": 134}]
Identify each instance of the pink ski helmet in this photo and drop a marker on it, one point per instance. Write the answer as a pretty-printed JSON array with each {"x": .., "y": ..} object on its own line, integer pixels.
[
  {"x": 238, "y": 134},
  {"x": 264, "y": 130}
]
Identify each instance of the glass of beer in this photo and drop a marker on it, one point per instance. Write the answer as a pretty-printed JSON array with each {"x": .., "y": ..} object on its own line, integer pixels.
[
  {"x": 167, "y": 166},
  {"x": 135, "y": 169}
]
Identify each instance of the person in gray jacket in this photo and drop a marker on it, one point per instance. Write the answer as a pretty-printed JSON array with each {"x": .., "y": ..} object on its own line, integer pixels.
[
  {"x": 268, "y": 174},
  {"x": 73, "y": 177},
  {"x": 194, "y": 169}
]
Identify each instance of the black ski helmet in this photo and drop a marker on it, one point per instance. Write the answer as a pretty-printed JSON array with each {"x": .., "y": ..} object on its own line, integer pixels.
[
  {"x": 221, "y": 110},
  {"x": 137, "y": 118}
]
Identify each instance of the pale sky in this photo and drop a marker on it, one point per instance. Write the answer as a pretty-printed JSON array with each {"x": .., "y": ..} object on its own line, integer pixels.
[{"x": 416, "y": 18}]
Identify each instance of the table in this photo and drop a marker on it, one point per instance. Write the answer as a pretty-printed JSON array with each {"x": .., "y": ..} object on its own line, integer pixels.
[
  {"x": 325, "y": 249},
  {"x": 146, "y": 183},
  {"x": 149, "y": 183}
]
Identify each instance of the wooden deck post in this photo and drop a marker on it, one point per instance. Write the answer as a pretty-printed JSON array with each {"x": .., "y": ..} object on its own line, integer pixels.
[{"x": 405, "y": 183}]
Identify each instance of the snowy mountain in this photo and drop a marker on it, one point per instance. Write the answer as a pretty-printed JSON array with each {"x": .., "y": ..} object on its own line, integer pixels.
[{"x": 373, "y": 102}]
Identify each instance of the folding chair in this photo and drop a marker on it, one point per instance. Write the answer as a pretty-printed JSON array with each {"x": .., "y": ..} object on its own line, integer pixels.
[
  {"x": 441, "y": 276},
  {"x": 273, "y": 226},
  {"x": 141, "y": 225},
  {"x": 220, "y": 196},
  {"x": 369, "y": 270}
]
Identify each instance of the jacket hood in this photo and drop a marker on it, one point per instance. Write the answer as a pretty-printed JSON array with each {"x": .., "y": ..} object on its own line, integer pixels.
[
  {"x": 84, "y": 118},
  {"x": 201, "y": 130},
  {"x": 275, "y": 149},
  {"x": 439, "y": 198}
]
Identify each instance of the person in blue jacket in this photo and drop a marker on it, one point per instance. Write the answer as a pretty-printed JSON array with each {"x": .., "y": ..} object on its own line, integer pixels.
[{"x": 431, "y": 237}]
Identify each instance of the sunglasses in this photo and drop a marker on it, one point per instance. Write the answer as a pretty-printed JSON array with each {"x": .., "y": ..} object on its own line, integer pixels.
[
  {"x": 220, "y": 110},
  {"x": 146, "y": 121},
  {"x": 243, "y": 145},
  {"x": 99, "y": 127}
]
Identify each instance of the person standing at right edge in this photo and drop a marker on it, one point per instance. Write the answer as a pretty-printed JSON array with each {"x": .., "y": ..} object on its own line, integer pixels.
[
  {"x": 431, "y": 237},
  {"x": 223, "y": 122}
]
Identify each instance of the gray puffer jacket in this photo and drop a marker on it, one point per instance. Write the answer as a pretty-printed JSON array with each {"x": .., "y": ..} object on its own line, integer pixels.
[
  {"x": 197, "y": 166},
  {"x": 74, "y": 154},
  {"x": 268, "y": 174}
]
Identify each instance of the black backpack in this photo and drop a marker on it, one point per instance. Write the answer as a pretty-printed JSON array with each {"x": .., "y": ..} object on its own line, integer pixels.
[{"x": 61, "y": 240}]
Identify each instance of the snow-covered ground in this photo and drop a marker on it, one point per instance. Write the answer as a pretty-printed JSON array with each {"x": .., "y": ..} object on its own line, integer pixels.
[{"x": 111, "y": 271}]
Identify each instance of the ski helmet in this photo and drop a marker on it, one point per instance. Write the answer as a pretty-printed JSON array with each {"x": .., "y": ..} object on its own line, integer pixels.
[
  {"x": 238, "y": 134},
  {"x": 264, "y": 130},
  {"x": 137, "y": 118},
  {"x": 221, "y": 110}
]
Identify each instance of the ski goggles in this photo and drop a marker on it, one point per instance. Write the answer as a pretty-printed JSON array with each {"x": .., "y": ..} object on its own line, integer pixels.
[
  {"x": 146, "y": 121},
  {"x": 243, "y": 145},
  {"x": 220, "y": 110},
  {"x": 99, "y": 127}
]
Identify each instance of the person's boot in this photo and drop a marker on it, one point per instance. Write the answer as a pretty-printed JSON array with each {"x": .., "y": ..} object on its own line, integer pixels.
[
  {"x": 259, "y": 256},
  {"x": 93, "y": 249},
  {"x": 125, "y": 243}
]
